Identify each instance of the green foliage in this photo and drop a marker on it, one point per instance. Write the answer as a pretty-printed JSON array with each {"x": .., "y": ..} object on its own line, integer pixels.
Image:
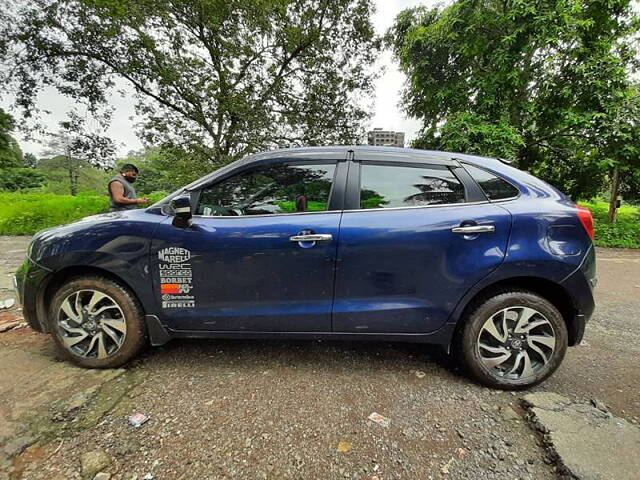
[
  {"x": 630, "y": 188},
  {"x": 79, "y": 147},
  {"x": 56, "y": 171},
  {"x": 312, "y": 206},
  {"x": 30, "y": 160},
  {"x": 27, "y": 213},
  {"x": 625, "y": 232},
  {"x": 474, "y": 134},
  {"x": 216, "y": 77},
  {"x": 166, "y": 169},
  {"x": 550, "y": 81},
  {"x": 10, "y": 154},
  {"x": 373, "y": 202},
  {"x": 13, "y": 179},
  {"x": 12, "y": 175}
]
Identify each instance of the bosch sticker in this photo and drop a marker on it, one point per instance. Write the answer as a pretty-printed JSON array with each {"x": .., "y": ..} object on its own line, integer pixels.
[{"x": 176, "y": 278}]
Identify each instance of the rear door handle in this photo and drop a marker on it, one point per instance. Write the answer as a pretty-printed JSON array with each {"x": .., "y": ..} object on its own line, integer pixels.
[
  {"x": 471, "y": 229},
  {"x": 312, "y": 237}
]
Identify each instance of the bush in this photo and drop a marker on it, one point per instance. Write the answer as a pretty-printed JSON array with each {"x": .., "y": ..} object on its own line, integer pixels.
[
  {"x": 625, "y": 232},
  {"x": 13, "y": 179},
  {"x": 26, "y": 213}
]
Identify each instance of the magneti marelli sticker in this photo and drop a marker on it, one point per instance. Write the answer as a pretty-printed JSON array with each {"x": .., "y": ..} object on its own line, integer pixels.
[{"x": 176, "y": 278}]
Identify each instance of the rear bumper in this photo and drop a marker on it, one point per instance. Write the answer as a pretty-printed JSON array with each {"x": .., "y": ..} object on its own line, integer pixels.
[
  {"x": 579, "y": 285},
  {"x": 29, "y": 282}
]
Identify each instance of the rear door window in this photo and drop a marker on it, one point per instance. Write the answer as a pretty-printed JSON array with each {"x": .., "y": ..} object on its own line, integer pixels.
[
  {"x": 494, "y": 187},
  {"x": 392, "y": 186}
]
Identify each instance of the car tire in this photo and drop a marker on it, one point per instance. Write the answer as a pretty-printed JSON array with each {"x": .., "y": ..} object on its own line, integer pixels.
[
  {"x": 513, "y": 340},
  {"x": 115, "y": 319}
]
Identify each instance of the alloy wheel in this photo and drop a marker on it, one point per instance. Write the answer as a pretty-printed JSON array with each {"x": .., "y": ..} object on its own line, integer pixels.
[
  {"x": 516, "y": 343},
  {"x": 91, "y": 324}
]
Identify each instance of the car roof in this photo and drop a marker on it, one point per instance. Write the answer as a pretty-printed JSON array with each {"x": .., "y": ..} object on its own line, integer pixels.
[
  {"x": 360, "y": 152},
  {"x": 369, "y": 152},
  {"x": 340, "y": 151}
]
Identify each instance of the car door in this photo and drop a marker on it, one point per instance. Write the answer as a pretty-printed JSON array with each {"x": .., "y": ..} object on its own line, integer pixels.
[
  {"x": 260, "y": 252},
  {"x": 413, "y": 239}
]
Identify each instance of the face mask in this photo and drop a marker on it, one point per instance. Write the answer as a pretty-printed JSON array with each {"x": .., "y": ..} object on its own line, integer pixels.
[{"x": 129, "y": 179}]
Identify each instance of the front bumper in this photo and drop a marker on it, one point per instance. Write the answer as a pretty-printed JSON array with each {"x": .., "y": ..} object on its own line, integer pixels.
[{"x": 29, "y": 282}]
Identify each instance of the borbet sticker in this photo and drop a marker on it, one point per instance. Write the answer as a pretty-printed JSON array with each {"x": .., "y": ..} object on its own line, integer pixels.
[{"x": 176, "y": 278}]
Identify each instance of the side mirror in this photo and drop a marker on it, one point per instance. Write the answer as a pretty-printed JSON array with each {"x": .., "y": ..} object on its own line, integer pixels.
[{"x": 182, "y": 211}]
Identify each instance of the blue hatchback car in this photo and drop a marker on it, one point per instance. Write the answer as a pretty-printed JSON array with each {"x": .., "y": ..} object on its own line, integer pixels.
[{"x": 350, "y": 243}]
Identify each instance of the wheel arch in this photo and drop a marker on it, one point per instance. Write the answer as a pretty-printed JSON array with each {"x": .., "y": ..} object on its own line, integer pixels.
[
  {"x": 547, "y": 289},
  {"x": 58, "y": 278}
]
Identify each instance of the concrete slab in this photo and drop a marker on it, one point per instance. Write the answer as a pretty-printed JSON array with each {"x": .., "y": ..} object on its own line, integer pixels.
[{"x": 589, "y": 443}]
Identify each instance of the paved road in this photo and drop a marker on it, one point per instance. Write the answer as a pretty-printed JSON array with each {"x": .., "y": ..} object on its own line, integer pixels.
[{"x": 283, "y": 409}]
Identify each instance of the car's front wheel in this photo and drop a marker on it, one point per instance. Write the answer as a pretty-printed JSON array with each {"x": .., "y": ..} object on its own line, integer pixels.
[
  {"x": 513, "y": 340},
  {"x": 96, "y": 322}
]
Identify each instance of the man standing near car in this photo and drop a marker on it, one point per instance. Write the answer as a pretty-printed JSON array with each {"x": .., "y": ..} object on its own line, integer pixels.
[{"x": 121, "y": 191}]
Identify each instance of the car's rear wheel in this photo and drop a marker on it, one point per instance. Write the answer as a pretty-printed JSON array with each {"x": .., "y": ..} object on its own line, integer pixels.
[
  {"x": 513, "y": 340},
  {"x": 96, "y": 322}
]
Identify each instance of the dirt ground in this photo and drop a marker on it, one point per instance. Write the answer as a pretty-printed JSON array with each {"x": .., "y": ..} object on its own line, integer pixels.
[{"x": 285, "y": 409}]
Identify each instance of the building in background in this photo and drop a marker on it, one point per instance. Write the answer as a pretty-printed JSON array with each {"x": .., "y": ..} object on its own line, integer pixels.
[{"x": 385, "y": 138}]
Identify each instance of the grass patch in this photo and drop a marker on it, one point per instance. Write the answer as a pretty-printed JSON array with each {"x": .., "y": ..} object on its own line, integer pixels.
[
  {"x": 625, "y": 232},
  {"x": 27, "y": 213}
]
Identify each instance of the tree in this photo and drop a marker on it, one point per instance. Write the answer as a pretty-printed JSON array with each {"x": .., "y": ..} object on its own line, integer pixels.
[
  {"x": 536, "y": 80},
  {"x": 12, "y": 176},
  {"x": 162, "y": 170},
  {"x": 14, "y": 179},
  {"x": 217, "y": 78},
  {"x": 30, "y": 160},
  {"x": 618, "y": 135},
  {"x": 10, "y": 153},
  {"x": 470, "y": 133},
  {"x": 76, "y": 145}
]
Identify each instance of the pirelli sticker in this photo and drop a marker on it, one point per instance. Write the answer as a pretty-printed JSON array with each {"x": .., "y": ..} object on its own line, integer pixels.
[{"x": 176, "y": 278}]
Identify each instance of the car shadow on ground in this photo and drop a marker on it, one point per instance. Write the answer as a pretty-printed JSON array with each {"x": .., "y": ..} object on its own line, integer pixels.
[{"x": 314, "y": 355}]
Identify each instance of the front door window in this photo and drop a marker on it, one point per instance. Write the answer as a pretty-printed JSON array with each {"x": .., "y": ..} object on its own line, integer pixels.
[{"x": 270, "y": 190}]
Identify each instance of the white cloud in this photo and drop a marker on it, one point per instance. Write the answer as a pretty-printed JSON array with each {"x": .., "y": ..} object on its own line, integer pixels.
[{"x": 387, "y": 113}]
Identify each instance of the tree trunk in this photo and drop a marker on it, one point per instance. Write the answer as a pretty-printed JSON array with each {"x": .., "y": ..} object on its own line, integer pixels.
[
  {"x": 70, "y": 171},
  {"x": 74, "y": 177},
  {"x": 615, "y": 188},
  {"x": 72, "y": 167}
]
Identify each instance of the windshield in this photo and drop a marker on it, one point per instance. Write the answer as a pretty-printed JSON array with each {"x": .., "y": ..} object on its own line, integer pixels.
[{"x": 168, "y": 198}]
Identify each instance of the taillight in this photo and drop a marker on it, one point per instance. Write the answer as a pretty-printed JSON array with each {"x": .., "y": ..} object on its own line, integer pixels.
[{"x": 584, "y": 214}]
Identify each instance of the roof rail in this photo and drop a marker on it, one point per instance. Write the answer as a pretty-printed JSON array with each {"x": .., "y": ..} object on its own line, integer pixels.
[{"x": 505, "y": 161}]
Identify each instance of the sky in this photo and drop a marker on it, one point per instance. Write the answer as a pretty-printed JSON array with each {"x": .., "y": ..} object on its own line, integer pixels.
[{"x": 386, "y": 113}]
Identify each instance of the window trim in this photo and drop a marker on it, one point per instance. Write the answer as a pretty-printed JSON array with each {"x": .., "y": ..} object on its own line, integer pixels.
[
  {"x": 267, "y": 214},
  {"x": 500, "y": 200},
  {"x": 415, "y": 207},
  {"x": 338, "y": 173},
  {"x": 355, "y": 184}
]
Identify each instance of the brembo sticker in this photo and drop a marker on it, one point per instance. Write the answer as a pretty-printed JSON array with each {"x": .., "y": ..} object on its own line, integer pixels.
[{"x": 176, "y": 278}]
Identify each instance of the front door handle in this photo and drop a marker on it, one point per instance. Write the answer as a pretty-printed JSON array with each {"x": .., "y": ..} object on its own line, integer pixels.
[
  {"x": 472, "y": 229},
  {"x": 312, "y": 237}
]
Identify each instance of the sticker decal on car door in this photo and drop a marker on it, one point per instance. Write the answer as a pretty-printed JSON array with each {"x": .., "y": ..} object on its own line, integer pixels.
[{"x": 176, "y": 278}]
